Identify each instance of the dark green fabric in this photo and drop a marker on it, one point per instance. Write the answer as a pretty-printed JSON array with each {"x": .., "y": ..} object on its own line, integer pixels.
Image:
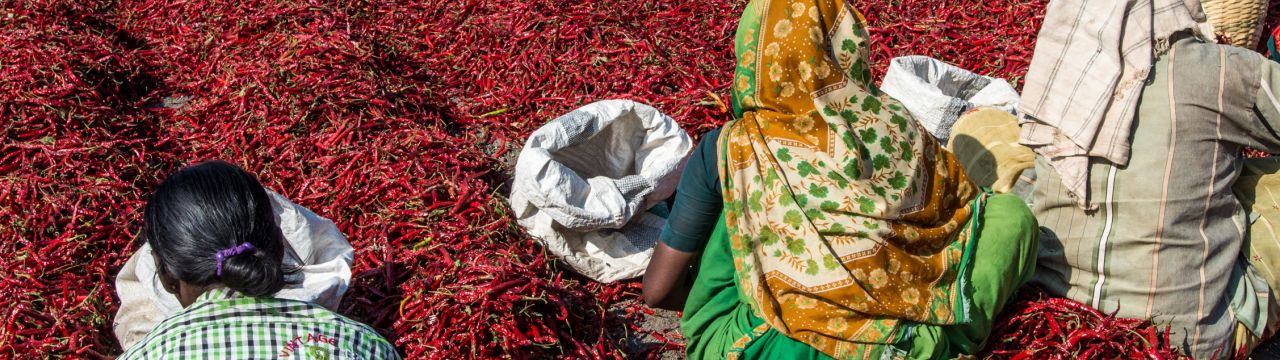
[
  {"x": 714, "y": 314},
  {"x": 1271, "y": 48},
  {"x": 1004, "y": 257},
  {"x": 698, "y": 199}
]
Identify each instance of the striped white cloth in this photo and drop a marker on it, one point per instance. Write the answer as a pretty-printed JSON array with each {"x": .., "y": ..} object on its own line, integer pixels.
[{"x": 1091, "y": 60}]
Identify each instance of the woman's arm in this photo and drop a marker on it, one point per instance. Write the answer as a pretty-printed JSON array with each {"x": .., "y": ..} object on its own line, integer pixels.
[
  {"x": 698, "y": 203},
  {"x": 1261, "y": 131},
  {"x": 667, "y": 281}
]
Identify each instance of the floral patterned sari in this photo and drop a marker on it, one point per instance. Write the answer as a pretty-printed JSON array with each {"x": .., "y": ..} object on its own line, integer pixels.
[{"x": 847, "y": 223}]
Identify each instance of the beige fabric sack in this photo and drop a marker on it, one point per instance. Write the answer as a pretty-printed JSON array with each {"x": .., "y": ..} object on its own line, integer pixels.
[
  {"x": 1258, "y": 189},
  {"x": 985, "y": 141}
]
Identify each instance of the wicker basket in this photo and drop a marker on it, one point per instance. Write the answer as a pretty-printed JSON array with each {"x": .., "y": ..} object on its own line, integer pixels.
[{"x": 1239, "y": 21}]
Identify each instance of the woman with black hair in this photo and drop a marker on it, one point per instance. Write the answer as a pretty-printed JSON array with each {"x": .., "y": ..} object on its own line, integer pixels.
[{"x": 218, "y": 249}]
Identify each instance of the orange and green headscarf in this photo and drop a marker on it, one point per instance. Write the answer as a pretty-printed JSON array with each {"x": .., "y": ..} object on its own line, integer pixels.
[{"x": 847, "y": 222}]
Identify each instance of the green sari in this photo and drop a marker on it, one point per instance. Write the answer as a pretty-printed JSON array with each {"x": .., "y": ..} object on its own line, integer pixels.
[
  {"x": 716, "y": 317},
  {"x": 848, "y": 223},
  {"x": 847, "y": 231}
]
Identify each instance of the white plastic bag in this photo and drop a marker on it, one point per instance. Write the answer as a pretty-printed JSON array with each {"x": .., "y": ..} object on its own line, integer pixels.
[
  {"x": 314, "y": 243},
  {"x": 584, "y": 182},
  {"x": 937, "y": 93}
]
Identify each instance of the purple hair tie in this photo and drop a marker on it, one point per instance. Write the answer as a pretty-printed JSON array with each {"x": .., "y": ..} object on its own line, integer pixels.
[{"x": 229, "y": 252}]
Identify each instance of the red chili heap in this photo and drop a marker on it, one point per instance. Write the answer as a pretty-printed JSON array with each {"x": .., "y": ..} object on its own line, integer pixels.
[
  {"x": 396, "y": 119},
  {"x": 1036, "y": 326}
]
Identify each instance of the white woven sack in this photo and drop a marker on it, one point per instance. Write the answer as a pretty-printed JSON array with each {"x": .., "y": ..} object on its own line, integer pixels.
[
  {"x": 937, "y": 93},
  {"x": 584, "y": 182},
  {"x": 315, "y": 245}
]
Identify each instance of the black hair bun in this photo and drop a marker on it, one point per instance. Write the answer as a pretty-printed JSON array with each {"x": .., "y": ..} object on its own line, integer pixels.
[{"x": 209, "y": 208}]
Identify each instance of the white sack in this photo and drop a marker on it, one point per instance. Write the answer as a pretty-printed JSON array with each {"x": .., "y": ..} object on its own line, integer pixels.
[
  {"x": 313, "y": 243},
  {"x": 937, "y": 93},
  {"x": 584, "y": 182}
]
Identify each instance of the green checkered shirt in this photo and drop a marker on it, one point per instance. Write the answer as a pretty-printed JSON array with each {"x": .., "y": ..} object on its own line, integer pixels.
[{"x": 222, "y": 324}]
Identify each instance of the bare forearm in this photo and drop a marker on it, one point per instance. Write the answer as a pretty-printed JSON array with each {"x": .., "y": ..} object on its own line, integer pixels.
[
  {"x": 666, "y": 281},
  {"x": 676, "y": 295}
]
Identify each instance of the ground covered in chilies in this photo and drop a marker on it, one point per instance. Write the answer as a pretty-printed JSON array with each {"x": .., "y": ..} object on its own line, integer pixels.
[{"x": 396, "y": 119}]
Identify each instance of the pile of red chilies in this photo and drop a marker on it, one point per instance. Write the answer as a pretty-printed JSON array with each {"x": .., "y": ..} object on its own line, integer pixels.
[
  {"x": 397, "y": 119},
  {"x": 992, "y": 38},
  {"x": 1037, "y": 326}
]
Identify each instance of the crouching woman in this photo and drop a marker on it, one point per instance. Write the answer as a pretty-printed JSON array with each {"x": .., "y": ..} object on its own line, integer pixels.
[
  {"x": 824, "y": 222},
  {"x": 218, "y": 249}
]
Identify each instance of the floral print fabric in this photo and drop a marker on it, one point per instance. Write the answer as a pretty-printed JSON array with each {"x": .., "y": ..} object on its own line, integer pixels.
[{"x": 846, "y": 221}]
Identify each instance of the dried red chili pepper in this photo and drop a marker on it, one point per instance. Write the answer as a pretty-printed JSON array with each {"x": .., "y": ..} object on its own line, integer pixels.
[
  {"x": 383, "y": 117},
  {"x": 1036, "y": 326}
]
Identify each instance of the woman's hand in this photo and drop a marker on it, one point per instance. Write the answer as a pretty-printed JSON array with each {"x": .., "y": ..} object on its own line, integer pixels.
[{"x": 666, "y": 281}]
